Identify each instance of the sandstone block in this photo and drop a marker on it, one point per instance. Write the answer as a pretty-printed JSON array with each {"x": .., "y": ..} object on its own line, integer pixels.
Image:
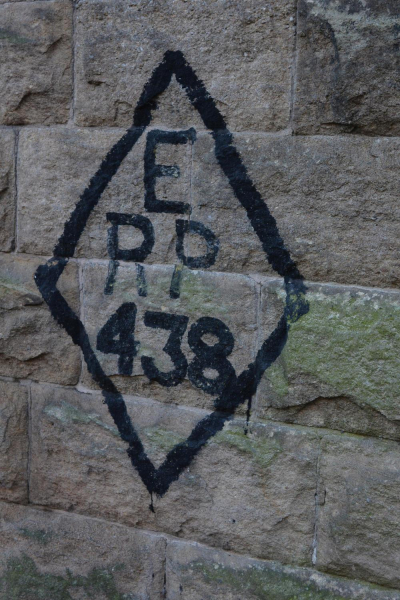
[
  {"x": 32, "y": 344},
  {"x": 51, "y": 555},
  {"x": 359, "y": 497},
  {"x": 334, "y": 201},
  {"x": 226, "y": 300},
  {"x": 35, "y": 67},
  {"x": 55, "y": 168},
  {"x": 13, "y": 442},
  {"x": 234, "y": 48},
  {"x": 347, "y": 69},
  {"x": 7, "y": 190},
  {"x": 249, "y": 493},
  {"x": 340, "y": 366},
  {"x": 195, "y": 572}
]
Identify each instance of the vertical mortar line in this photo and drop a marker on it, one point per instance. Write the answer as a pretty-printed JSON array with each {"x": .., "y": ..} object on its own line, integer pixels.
[
  {"x": 317, "y": 505},
  {"x": 16, "y": 147},
  {"x": 29, "y": 462},
  {"x": 73, "y": 65},
  {"x": 293, "y": 78}
]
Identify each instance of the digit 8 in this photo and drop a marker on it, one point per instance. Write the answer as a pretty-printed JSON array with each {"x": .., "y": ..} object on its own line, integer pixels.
[{"x": 211, "y": 357}]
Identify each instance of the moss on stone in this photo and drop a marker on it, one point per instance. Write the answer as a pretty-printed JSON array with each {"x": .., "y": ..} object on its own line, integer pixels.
[
  {"x": 68, "y": 414},
  {"x": 264, "y": 583},
  {"x": 37, "y": 535},
  {"x": 161, "y": 439},
  {"x": 349, "y": 342},
  {"x": 262, "y": 450},
  {"x": 22, "y": 576}
]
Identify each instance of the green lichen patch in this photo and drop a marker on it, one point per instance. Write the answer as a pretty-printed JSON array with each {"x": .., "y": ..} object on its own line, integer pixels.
[
  {"x": 37, "y": 535},
  {"x": 262, "y": 450},
  {"x": 67, "y": 414},
  {"x": 349, "y": 343},
  {"x": 160, "y": 440},
  {"x": 6, "y": 35},
  {"x": 262, "y": 583},
  {"x": 23, "y": 579}
]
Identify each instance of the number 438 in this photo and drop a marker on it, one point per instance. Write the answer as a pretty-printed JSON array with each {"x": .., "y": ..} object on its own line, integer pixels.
[{"x": 117, "y": 337}]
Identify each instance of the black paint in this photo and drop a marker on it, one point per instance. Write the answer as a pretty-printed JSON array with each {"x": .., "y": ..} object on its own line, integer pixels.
[
  {"x": 211, "y": 357},
  {"x": 141, "y": 281},
  {"x": 152, "y": 171},
  {"x": 237, "y": 390},
  {"x": 135, "y": 254},
  {"x": 197, "y": 262},
  {"x": 111, "y": 276},
  {"x": 175, "y": 288},
  {"x": 121, "y": 325},
  {"x": 176, "y": 324}
]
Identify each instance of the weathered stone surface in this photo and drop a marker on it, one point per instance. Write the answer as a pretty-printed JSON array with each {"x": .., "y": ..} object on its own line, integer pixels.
[
  {"x": 334, "y": 200},
  {"x": 57, "y": 165},
  {"x": 13, "y": 442},
  {"x": 7, "y": 190},
  {"x": 51, "y": 555},
  {"x": 195, "y": 572},
  {"x": 229, "y": 298},
  {"x": 31, "y": 343},
  {"x": 35, "y": 66},
  {"x": 234, "y": 48},
  {"x": 347, "y": 69},
  {"x": 250, "y": 493},
  {"x": 359, "y": 512},
  {"x": 346, "y": 349}
]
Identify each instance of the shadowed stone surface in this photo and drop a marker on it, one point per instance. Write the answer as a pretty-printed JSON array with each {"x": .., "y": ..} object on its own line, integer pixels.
[
  {"x": 242, "y": 50},
  {"x": 35, "y": 64},
  {"x": 347, "y": 67},
  {"x": 13, "y": 442},
  {"x": 250, "y": 493},
  {"x": 55, "y": 556},
  {"x": 32, "y": 344},
  {"x": 359, "y": 512},
  {"x": 195, "y": 572}
]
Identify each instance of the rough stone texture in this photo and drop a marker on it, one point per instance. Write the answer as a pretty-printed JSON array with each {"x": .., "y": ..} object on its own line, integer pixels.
[
  {"x": 229, "y": 298},
  {"x": 50, "y": 555},
  {"x": 7, "y": 190},
  {"x": 233, "y": 47},
  {"x": 334, "y": 199},
  {"x": 250, "y": 493},
  {"x": 31, "y": 343},
  {"x": 359, "y": 512},
  {"x": 35, "y": 66},
  {"x": 56, "y": 166},
  {"x": 345, "y": 351},
  {"x": 196, "y": 572},
  {"x": 347, "y": 68},
  {"x": 13, "y": 442}
]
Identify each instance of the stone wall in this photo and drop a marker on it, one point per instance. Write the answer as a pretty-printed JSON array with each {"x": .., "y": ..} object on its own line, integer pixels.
[{"x": 199, "y": 305}]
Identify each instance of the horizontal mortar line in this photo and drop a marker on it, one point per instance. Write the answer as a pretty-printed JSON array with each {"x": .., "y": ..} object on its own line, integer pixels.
[
  {"x": 48, "y": 509},
  {"x": 239, "y": 420},
  {"x": 256, "y": 277},
  {"x": 282, "y": 133}
]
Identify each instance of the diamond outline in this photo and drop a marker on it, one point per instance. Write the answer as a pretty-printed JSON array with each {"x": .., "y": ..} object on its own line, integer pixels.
[{"x": 244, "y": 386}]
